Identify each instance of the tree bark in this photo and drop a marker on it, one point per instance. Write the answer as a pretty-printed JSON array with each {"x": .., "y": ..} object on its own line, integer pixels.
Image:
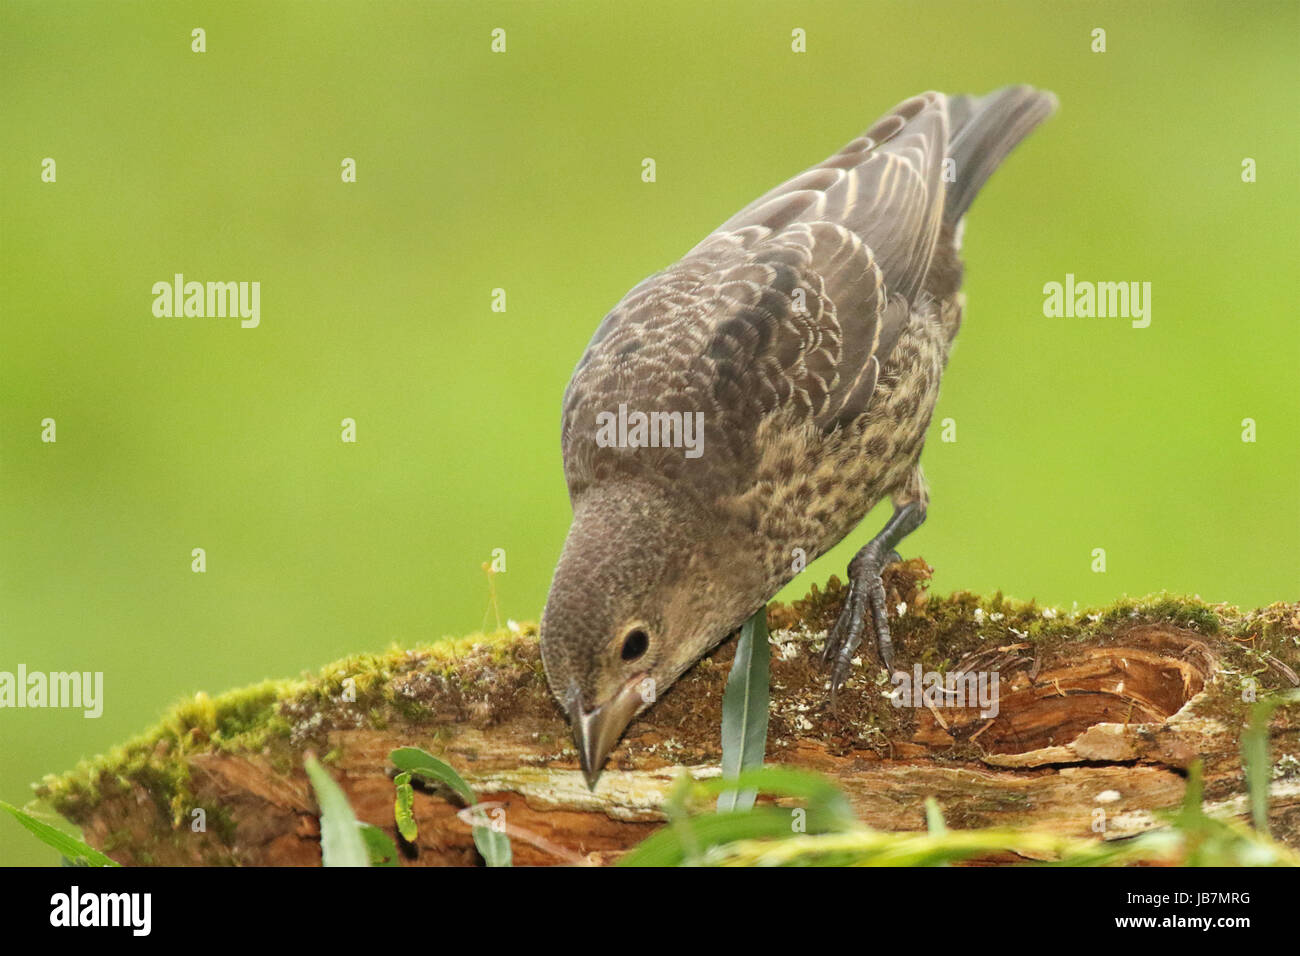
[{"x": 1097, "y": 721}]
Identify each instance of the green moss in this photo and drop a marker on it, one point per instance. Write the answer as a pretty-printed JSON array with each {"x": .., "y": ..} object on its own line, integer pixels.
[
  {"x": 275, "y": 717},
  {"x": 960, "y": 622},
  {"x": 494, "y": 677},
  {"x": 939, "y": 630}
]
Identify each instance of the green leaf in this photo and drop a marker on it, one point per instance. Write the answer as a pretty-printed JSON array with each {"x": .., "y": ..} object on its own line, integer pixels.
[
  {"x": 424, "y": 764},
  {"x": 341, "y": 842},
  {"x": 379, "y": 845},
  {"x": 493, "y": 845},
  {"x": 74, "y": 852},
  {"x": 1254, "y": 754},
  {"x": 404, "y": 807},
  {"x": 687, "y": 839},
  {"x": 818, "y": 793},
  {"x": 744, "y": 710}
]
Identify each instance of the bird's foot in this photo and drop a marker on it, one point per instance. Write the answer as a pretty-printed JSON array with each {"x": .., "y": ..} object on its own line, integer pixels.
[{"x": 866, "y": 593}]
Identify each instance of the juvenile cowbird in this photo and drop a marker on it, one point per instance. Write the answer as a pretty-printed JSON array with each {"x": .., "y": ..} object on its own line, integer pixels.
[{"x": 744, "y": 409}]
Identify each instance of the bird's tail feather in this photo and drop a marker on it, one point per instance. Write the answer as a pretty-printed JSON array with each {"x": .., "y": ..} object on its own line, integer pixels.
[{"x": 981, "y": 132}]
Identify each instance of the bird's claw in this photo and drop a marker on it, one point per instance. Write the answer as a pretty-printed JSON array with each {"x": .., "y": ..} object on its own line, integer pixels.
[{"x": 866, "y": 590}]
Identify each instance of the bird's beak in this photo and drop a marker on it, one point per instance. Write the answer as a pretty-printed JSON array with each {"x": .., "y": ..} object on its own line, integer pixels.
[{"x": 596, "y": 731}]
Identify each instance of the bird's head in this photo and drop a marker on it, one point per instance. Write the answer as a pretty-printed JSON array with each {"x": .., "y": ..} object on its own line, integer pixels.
[{"x": 644, "y": 588}]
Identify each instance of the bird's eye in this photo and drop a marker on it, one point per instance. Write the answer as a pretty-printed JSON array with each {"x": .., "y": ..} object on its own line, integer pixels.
[{"x": 635, "y": 644}]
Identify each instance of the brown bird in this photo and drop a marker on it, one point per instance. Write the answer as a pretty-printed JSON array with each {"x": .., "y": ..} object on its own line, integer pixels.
[{"x": 741, "y": 411}]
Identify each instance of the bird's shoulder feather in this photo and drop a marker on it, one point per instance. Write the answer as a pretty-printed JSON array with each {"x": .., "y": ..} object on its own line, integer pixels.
[{"x": 791, "y": 307}]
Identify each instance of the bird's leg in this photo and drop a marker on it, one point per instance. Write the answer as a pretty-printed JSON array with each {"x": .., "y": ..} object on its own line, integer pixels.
[{"x": 867, "y": 590}]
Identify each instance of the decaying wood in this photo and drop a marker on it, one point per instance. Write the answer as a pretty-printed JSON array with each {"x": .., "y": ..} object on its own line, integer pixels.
[{"x": 1094, "y": 715}]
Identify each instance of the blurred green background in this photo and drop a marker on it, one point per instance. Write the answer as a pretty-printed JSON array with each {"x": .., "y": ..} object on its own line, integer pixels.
[{"x": 522, "y": 171}]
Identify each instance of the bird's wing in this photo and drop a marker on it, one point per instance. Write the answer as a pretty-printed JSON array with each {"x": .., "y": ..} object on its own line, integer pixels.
[
  {"x": 862, "y": 227},
  {"x": 792, "y": 305},
  {"x": 886, "y": 187}
]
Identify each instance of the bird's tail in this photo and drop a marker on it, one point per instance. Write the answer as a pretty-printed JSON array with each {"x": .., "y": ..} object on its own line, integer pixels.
[{"x": 982, "y": 131}]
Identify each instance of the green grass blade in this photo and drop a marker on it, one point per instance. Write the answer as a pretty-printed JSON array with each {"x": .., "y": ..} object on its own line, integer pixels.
[
  {"x": 687, "y": 839},
  {"x": 818, "y": 793},
  {"x": 379, "y": 845},
  {"x": 71, "y": 849},
  {"x": 934, "y": 822},
  {"x": 341, "y": 842},
  {"x": 744, "y": 710},
  {"x": 1254, "y": 754}
]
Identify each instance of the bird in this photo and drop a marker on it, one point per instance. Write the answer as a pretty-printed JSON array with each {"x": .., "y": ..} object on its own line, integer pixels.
[{"x": 740, "y": 412}]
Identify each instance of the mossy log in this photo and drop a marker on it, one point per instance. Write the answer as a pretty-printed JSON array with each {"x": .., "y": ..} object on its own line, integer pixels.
[{"x": 1100, "y": 715}]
